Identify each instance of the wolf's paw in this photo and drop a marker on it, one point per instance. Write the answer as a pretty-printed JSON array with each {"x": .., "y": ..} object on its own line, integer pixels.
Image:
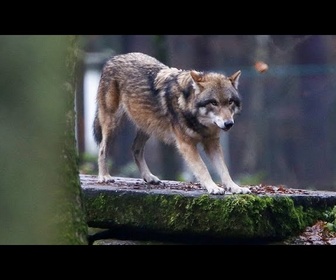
[
  {"x": 105, "y": 178},
  {"x": 214, "y": 189},
  {"x": 234, "y": 188},
  {"x": 151, "y": 179}
]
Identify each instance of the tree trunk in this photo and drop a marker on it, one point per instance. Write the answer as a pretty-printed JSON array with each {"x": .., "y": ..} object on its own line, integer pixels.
[
  {"x": 40, "y": 188},
  {"x": 171, "y": 165},
  {"x": 256, "y": 128},
  {"x": 314, "y": 103}
]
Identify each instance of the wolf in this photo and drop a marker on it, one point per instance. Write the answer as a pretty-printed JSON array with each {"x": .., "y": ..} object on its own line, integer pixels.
[{"x": 180, "y": 107}]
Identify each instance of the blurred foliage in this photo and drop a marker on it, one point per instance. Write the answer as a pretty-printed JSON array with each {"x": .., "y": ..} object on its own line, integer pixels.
[
  {"x": 88, "y": 164},
  {"x": 252, "y": 179},
  {"x": 330, "y": 218}
]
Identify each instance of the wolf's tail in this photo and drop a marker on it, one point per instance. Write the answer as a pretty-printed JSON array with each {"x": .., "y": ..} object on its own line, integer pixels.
[{"x": 97, "y": 131}]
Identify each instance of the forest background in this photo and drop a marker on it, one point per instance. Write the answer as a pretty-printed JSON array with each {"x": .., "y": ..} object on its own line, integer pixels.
[{"x": 285, "y": 133}]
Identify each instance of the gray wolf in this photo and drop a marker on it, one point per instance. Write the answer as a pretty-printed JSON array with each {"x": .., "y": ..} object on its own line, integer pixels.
[{"x": 180, "y": 107}]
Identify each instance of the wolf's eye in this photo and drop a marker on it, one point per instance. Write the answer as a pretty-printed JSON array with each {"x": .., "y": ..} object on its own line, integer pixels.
[
  {"x": 231, "y": 101},
  {"x": 213, "y": 102}
]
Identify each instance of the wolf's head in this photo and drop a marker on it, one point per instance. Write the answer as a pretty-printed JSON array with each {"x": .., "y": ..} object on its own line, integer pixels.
[{"x": 216, "y": 98}]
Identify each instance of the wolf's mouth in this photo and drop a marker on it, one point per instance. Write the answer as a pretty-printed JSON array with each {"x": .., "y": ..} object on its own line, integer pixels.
[
  {"x": 223, "y": 127},
  {"x": 223, "y": 124}
]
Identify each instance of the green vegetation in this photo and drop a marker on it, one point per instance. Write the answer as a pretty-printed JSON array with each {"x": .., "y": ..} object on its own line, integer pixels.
[
  {"x": 252, "y": 179},
  {"x": 330, "y": 218},
  {"x": 233, "y": 216}
]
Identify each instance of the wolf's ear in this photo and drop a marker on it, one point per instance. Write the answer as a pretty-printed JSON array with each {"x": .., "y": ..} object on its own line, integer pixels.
[
  {"x": 235, "y": 79},
  {"x": 198, "y": 77}
]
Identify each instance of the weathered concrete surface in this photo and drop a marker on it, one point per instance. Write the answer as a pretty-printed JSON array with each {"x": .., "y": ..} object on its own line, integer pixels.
[{"x": 183, "y": 211}]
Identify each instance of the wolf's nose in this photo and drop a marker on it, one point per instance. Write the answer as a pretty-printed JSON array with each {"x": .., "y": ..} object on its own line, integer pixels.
[{"x": 228, "y": 124}]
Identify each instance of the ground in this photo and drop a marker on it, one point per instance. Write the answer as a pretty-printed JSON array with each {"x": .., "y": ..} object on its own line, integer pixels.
[{"x": 317, "y": 234}]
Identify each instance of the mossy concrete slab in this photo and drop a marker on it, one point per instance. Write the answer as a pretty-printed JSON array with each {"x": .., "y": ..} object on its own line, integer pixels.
[{"x": 129, "y": 205}]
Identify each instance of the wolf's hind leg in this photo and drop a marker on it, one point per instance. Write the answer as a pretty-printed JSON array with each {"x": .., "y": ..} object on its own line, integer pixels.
[
  {"x": 107, "y": 130},
  {"x": 138, "y": 154},
  {"x": 103, "y": 175}
]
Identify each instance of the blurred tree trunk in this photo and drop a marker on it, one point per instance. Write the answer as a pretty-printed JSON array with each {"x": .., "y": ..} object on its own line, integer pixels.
[
  {"x": 257, "y": 127},
  {"x": 314, "y": 107},
  {"x": 331, "y": 103},
  {"x": 40, "y": 189},
  {"x": 71, "y": 223},
  {"x": 202, "y": 53},
  {"x": 284, "y": 165},
  {"x": 171, "y": 166},
  {"x": 79, "y": 99}
]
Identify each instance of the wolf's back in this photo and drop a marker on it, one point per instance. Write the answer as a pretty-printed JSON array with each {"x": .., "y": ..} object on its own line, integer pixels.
[
  {"x": 132, "y": 74},
  {"x": 131, "y": 69}
]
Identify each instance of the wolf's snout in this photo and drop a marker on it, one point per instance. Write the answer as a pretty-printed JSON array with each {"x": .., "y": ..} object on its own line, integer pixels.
[{"x": 228, "y": 125}]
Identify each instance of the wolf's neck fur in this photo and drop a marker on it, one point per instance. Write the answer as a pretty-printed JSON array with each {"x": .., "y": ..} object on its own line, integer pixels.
[
  {"x": 193, "y": 123},
  {"x": 183, "y": 81}
]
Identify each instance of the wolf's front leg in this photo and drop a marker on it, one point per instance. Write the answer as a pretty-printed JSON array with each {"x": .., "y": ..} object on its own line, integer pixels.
[
  {"x": 191, "y": 155},
  {"x": 214, "y": 151}
]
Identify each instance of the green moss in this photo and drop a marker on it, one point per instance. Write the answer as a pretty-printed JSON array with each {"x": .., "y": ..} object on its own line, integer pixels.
[{"x": 233, "y": 216}]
